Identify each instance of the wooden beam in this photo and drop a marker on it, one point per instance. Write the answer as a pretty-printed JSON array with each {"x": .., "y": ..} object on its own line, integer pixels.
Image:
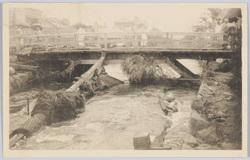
[
  {"x": 181, "y": 69},
  {"x": 15, "y": 139},
  {"x": 89, "y": 61},
  {"x": 89, "y": 74},
  {"x": 20, "y": 67},
  {"x": 113, "y": 61},
  {"x": 25, "y": 51}
]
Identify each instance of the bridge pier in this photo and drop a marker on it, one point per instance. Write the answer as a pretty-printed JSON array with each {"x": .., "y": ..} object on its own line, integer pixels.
[{"x": 180, "y": 68}]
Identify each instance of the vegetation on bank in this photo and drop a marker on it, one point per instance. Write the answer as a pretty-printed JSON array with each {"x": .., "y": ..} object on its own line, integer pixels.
[{"x": 231, "y": 67}]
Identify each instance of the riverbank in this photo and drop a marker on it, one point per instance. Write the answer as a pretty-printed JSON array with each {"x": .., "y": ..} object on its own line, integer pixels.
[{"x": 215, "y": 122}]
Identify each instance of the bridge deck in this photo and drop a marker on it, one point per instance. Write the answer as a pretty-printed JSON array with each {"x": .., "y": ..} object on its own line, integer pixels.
[
  {"x": 131, "y": 50},
  {"x": 122, "y": 53}
]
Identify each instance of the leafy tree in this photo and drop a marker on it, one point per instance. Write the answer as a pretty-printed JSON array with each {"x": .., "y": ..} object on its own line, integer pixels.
[{"x": 207, "y": 20}]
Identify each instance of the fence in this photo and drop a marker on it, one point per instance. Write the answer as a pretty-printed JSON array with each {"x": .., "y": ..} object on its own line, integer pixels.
[{"x": 167, "y": 40}]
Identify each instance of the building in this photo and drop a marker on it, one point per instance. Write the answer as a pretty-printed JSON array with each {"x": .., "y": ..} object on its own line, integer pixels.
[
  {"x": 24, "y": 16},
  {"x": 136, "y": 24}
]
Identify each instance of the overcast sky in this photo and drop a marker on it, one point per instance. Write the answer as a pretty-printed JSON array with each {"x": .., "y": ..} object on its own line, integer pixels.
[{"x": 165, "y": 16}]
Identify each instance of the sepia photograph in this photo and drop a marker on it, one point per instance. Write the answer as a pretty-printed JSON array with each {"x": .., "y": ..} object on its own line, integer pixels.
[{"x": 125, "y": 79}]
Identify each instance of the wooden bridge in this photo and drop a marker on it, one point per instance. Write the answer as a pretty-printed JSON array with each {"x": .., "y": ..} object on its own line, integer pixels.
[
  {"x": 87, "y": 48},
  {"x": 117, "y": 45}
]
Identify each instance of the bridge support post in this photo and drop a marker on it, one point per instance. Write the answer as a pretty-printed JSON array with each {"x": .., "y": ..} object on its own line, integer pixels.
[
  {"x": 180, "y": 68},
  {"x": 89, "y": 74},
  {"x": 105, "y": 41},
  {"x": 75, "y": 41},
  {"x": 46, "y": 43}
]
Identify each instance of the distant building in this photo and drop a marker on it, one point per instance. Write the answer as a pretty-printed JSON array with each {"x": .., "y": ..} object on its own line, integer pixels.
[
  {"x": 54, "y": 23},
  {"x": 24, "y": 16},
  {"x": 136, "y": 24},
  {"x": 56, "y": 26}
]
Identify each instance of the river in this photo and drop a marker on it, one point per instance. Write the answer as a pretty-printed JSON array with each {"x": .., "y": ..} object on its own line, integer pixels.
[{"x": 113, "y": 117}]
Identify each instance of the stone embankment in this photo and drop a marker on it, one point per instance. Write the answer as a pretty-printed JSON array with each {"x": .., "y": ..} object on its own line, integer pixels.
[{"x": 216, "y": 113}]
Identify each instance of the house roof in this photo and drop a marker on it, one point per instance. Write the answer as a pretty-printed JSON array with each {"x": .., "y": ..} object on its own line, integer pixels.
[
  {"x": 55, "y": 23},
  {"x": 21, "y": 23}
]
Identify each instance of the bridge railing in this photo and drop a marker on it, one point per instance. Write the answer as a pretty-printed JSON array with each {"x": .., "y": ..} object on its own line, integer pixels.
[{"x": 168, "y": 40}]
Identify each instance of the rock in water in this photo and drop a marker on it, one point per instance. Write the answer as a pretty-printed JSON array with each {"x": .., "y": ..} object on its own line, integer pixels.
[
  {"x": 187, "y": 147},
  {"x": 191, "y": 141},
  {"x": 173, "y": 106},
  {"x": 169, "y": 98},
  {"x": 170, "y": 106}
]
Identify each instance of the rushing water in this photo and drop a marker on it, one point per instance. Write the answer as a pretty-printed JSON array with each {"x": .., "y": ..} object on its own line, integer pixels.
[{"x": 113, "y": 117}]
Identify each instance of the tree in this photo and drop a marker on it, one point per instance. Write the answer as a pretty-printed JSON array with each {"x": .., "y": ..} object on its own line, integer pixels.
[{"x": 207, "y": 20}]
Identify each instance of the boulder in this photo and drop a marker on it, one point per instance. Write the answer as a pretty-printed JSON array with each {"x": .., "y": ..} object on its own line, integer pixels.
[
  {"x": 204, "y": 147},
  {"x": 223, "y": 77},
  {"x": 13, "y": 59},
  {"x": 208, "y": 135},
  {"x": 142, "y": 141},
  {"x": 197, "y": 105},
  {"x": 229, "y": 146},
  {"x": 173, "y": 106},
  {"x": 197, "y": 123},
  {"x": 186, "y": 147},
  {"x": 191, "y": 141},
  {"x": 205, "y": 91},
  {"x": 169, "y": 98}
]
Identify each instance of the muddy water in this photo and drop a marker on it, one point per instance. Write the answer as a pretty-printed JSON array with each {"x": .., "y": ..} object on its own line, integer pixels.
[{"x": 112, "y": 118}]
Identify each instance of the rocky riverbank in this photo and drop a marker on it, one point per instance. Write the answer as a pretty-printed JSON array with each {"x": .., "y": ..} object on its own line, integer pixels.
[{"x": 216, "y": 113}]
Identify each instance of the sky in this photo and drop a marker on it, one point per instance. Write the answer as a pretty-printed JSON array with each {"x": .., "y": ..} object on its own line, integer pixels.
[{"x": 164, "y": 16}]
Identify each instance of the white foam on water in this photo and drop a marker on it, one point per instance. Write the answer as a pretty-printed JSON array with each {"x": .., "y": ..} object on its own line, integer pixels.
[{"x": 61, "y": 138}]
